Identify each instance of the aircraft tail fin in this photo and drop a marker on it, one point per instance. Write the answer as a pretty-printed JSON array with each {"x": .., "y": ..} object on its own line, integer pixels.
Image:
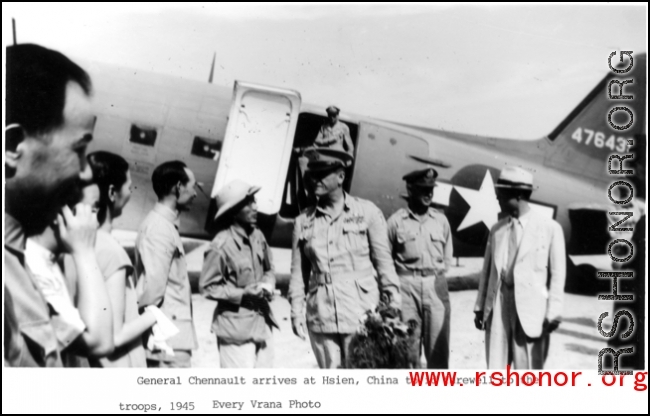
[{"x": 584, "y": 140}]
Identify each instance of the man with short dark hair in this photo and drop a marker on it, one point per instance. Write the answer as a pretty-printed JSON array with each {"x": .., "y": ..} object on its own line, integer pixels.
[
  {"x": 161, "y": 268},
  {"x": 49, "y": 124},
  {"x": 521, "y": 287}
]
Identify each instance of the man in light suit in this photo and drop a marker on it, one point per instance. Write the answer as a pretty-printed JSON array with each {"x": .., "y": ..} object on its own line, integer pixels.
[{"x": 521, "y": 287}]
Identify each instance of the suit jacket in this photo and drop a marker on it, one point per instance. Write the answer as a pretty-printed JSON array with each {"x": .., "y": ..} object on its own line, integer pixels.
[
  {"x": 539, "y": 273},
  {"x": 161, "y": 270}
]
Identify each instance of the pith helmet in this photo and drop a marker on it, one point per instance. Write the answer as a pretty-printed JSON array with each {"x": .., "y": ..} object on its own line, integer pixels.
[{"x": 232, "y": 194}]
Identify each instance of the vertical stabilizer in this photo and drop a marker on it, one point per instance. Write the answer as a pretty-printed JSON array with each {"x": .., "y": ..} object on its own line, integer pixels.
[{"x": 584, "y": 140}]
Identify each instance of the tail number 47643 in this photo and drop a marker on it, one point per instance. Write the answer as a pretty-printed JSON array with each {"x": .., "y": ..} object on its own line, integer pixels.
[{"x": 597, "y": 138}]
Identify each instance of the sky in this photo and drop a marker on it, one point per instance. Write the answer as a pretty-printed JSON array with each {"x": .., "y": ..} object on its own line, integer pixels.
[{"x": 491, "y": 70}]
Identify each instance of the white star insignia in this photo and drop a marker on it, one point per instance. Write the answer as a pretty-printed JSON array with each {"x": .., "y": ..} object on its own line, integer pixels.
[{"x": 483, "y": 204}]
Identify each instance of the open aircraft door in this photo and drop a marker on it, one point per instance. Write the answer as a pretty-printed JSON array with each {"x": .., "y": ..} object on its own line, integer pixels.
[{"x": 258, "y": 142}]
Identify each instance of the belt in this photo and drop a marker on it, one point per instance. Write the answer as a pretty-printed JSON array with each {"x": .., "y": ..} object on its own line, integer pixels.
[
  {"x": 259, "y": 305},
  {"x": 328, "y": 278},
  {"x": 417, "y": 273}
]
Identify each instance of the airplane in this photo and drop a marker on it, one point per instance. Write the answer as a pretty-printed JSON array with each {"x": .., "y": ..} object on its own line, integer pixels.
[{"x": 255, "y": 133}]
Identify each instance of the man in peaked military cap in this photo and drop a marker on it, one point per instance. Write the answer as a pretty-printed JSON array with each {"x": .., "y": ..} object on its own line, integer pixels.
[
  {"x": 333, "y": 133},
  {"x": 238, "y": 273},
  {"x": 421, "y": 246},
  {"x": 336, "y": 243}
]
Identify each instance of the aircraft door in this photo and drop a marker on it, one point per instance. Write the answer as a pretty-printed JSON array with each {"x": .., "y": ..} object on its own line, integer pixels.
[
  {"x": 258, "y": 142},
  {"x": 383, "y": 156}
]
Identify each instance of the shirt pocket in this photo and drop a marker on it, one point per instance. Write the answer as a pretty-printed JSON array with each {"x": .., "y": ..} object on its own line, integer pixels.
[
  {"x": 245, "y": 275},
  {"x": 368, "y": 291},
  {"x": 356, "y": 237},
  {"x": 541, "y": 256},
  {"x": 437, "y": 249},
  {"x": 407, "y": 246},
  {"x": 320, "y": 305}
]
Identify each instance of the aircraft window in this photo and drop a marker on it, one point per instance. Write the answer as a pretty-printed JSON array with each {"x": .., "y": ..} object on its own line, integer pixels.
[
  {"x": 143, "y": 135},
  {"x": 207, "y": 148}
]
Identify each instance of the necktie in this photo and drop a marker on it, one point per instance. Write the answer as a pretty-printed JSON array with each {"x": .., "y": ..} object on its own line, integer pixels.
[{"x": 513, "y": 244}]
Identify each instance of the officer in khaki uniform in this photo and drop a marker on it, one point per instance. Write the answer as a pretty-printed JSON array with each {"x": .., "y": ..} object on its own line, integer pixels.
[
  {"x": 335, "y": 246},
  {"x": 421, "y": 245},
  {"x": 238, "y": 273},
  {"x": 334, "y": 134}
]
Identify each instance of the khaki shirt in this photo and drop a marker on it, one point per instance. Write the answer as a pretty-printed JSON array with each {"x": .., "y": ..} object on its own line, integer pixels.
[
  {"x": 30, "y": 339},
  {"x": 161, "y": 270},
  {"x": 335, "y": 137},
  {"x": 420, "y": 244},
  {"x": 344, "y": 250},
  {"x": 233, "y": 261}
]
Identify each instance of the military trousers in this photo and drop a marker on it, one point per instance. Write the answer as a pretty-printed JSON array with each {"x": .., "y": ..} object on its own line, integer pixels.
[
  {"x": 246, "y": 355},
  {"x": 330, "y": 349},
  {"x": 505, "y": 339},
  {"x": 425, "y": 299}
]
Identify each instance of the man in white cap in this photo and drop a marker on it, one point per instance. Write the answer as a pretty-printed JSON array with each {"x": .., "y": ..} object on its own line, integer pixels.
[
  {"x": 333, "y": 133},
  {"x": 238, "y": 273},
  {"x": 521, "y": 288}
]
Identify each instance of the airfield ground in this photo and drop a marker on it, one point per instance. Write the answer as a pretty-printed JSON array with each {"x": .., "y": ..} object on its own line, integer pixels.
[{"x": 575, "y": 345}]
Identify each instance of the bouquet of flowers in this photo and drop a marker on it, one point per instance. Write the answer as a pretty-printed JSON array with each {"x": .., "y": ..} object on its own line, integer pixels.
[{"x": 382, "y": 340}]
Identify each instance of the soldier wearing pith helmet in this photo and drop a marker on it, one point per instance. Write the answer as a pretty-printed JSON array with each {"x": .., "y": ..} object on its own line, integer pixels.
[
  {"x": 336, "y": 245},
  {"x": 421, "y": 246},
  {"x": 238, "y": 273}
]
